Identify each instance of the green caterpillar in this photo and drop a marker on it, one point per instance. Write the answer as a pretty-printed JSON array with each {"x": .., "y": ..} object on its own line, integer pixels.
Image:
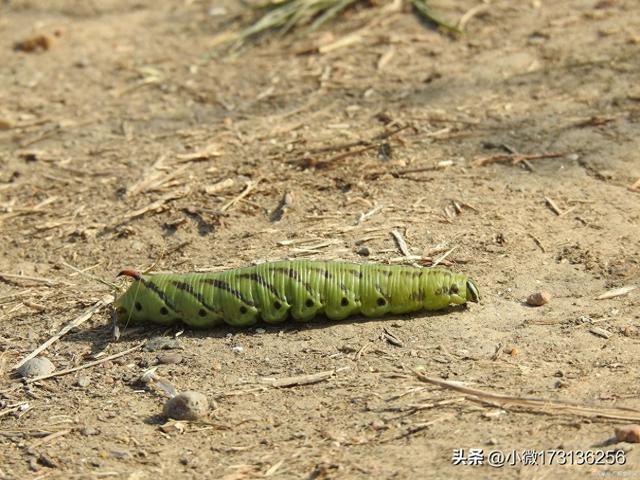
[{"x": 273, "y": 290}]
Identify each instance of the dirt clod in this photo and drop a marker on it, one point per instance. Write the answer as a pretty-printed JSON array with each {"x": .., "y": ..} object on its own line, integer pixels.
[
  {"x": 36, "y": 367},
  {"x": 537, "y": 299},
  {"x": 130, "y": 144},
  {"x": 189, "y": 405},
  {"x": 46, "y": 461},
  {"x": 169, "y": 358},
  {"x": 34, "y": 44},
  {"x": 89, "y": 431},
  {"x": 628, "y": 433},
  {"x": 161, "y": 343},
  {"x": 83, "y": 381}
]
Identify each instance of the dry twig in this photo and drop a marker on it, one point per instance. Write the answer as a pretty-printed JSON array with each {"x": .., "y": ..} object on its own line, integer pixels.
[
  {"x": 442, "y": 257},
  {"x": 157, "y": 205},
  {"x": 86, "y": 315},
  {"x": 251, "y": 184},
  {"x": 402, "y": 245},
  {"x": 301, "y": 379},
  {"x": 472, "y": 12},
  {"x": 515, "y": 158},
  {"x": 86, "y": 365},
  {"x": 540, "y": 405},
  {"x": 47, "y": 281},
  {"x": 616, "y": 292},
  {"x": 553, "y": 206},
  {"x": 49, "y": 438},
  {"x": 368, "y": 145}
]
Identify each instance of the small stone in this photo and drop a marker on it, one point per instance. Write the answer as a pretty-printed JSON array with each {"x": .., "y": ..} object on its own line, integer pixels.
[
  {"x": 33, "y": 464},
  {"x": 169, "y": 358},
  {"x": 47, "y": 461},
  {"x": 601, "y": 332},
  {"x": 364, "y": 251},
  {"x": 493, "y": 414},
  {"x": 378, "y": 425},
  {"x": 537, "y": 299},
  {"x": 83, "y": 381},
  {"x": 187, "y": 405},
  {"x": 628, "y": 433},
  {"x": 172, "y": 427},
  {"x": 161, "y": 343},
  {"x": 260, "y": 330},
  {"x": 119, "y": 454},
  {"x": 513, "y": 351},
  {"x": 346, "y": 348},
  {"x": 36, "y": 367},
  {"x": 89, "y": 431},
  {"x": 237, "y": 349}
]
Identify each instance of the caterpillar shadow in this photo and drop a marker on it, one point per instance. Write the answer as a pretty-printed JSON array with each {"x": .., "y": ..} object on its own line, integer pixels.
[{"x": 100, "y": 336}]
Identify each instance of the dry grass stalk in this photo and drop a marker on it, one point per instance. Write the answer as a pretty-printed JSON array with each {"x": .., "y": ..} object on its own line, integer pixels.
[
  {"x": 285, "y": 16},
  {"x": 79, "y": 320},
  {"x": 301, "y": 379},
  {"x": 537, "y": 405},
  {"x": 86, "y": 365}
]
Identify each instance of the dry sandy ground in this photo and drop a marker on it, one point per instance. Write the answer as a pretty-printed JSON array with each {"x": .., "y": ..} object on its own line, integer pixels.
[{"x": 131, "y": 107}]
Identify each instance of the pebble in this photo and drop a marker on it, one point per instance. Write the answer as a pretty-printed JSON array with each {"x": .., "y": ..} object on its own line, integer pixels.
[
  {"x": 89, "y": 431},
  {"x": 33, "y": 464},
  {"x": 347, "y": 348},
  {"x": 36, "y": 367},
  {"x": 628, "y": 433},
  {"x": 364, "y": 251},
  {"x": 47, "y": 461},
  {"x": 83, "y": 381},
  {"x": 161, "y": 343},
  {"x": 537, "y": 299},
  {"x": 120, "y": 454},
  {"x": 187, "y": 405},
  {"x": 601, "y": 332},
  {"x": 378, "y": 425},
  {"x": 260, "y": 330},
  {"x": 237, "y": 349},
  {"x": 169, "y": 358},
  {"x": 173, "y": 427}
]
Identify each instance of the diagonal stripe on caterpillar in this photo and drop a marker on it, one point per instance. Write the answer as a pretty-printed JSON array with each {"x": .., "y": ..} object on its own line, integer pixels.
[{"x": 302, "y": 289}]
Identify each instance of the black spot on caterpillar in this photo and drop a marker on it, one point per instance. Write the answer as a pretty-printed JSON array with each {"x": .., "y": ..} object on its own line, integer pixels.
[{"x": 302, "y": 289}]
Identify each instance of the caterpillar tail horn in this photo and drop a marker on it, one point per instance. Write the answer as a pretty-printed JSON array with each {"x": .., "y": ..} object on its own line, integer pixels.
[{"x": 130, "y": 273}]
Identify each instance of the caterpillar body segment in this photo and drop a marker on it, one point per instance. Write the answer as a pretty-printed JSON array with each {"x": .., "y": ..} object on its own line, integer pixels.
[{"x": 301, "y": 289}]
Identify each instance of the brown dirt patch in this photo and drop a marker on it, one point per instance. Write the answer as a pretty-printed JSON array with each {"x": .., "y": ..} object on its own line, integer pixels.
[{"x": 105, "y": 121}]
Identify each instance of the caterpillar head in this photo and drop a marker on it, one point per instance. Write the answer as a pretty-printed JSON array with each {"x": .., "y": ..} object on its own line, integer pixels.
[
  {"x": 473, "y": 294},
  {"x": 140, "y": 302}
]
